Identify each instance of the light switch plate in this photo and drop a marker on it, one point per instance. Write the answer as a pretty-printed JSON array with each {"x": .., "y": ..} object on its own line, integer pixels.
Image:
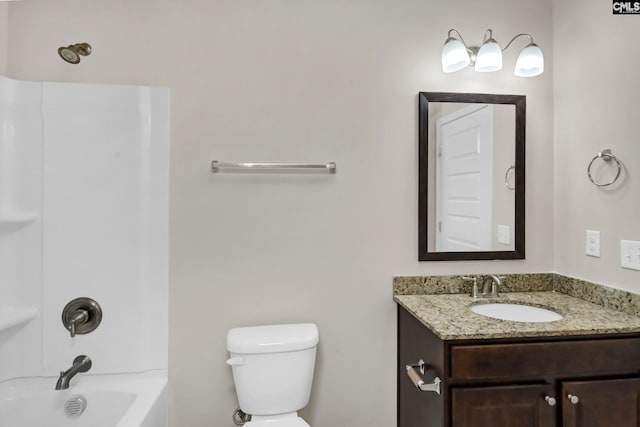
[
  {"x": 592, "y": 247},
  {"x": 504, "y": 234},
  {"x": 630, "y": 254}
]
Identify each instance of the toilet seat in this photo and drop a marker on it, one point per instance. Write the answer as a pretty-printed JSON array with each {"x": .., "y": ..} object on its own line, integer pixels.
[
  {"x": 278, "y": 422},
  {"x": 287, "y": 422}
]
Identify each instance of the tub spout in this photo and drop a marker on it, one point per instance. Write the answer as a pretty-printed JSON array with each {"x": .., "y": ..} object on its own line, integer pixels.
[{"x": 80, "y": 364}]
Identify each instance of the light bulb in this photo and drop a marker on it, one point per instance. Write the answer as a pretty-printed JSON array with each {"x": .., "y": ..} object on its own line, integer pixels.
[
  {"x": 489, "y": 57},
  {"x": 454, "y": 56},
  {"x": 530, "y": 62}
]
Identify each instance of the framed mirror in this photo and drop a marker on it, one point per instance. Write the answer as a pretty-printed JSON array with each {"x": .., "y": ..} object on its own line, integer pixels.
[{"x": 471, "y": 176}]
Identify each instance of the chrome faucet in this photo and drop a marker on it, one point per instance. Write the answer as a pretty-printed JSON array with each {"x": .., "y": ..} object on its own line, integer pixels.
[
  {"x": 490, "y": 285},
  {"x": 491, "y": 281},
  {"x": 80, "y": 364}
]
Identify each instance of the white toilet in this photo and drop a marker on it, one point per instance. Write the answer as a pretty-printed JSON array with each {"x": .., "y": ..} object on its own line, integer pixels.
[{"x": 273, "y": 370}]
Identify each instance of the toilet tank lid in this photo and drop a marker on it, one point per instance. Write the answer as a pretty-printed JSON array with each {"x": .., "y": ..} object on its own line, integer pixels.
[{"x": 272, "y": 338}]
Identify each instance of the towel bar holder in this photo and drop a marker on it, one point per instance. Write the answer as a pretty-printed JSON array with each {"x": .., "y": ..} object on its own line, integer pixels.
[
  {"x": 218, "y": 166},
  {"x": 417, "y": 380}
]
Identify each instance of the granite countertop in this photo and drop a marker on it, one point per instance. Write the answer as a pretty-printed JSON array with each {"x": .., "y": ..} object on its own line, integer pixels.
[{"x": 449, "y": 316}]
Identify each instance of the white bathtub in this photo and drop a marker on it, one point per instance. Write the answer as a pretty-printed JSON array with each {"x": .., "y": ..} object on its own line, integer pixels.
[{"x": 126, "y": 400}]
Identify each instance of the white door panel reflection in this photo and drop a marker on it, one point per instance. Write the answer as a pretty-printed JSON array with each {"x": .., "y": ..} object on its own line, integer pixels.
[{"x": 464, "y": 176}]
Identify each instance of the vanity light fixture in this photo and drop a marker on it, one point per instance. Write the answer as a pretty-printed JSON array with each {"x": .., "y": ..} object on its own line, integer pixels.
[{"x": 486, "y": 58}]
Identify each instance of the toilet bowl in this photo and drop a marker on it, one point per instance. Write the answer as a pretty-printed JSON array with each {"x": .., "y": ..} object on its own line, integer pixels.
[{"x": 273, "y": 369}]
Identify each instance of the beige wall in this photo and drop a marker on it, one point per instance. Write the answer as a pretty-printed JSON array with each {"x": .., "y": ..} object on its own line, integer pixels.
[
  {"x": 296, "y": 80},
  {"x": 597, "y": 83},
  {"x": 4, "y": 36}
]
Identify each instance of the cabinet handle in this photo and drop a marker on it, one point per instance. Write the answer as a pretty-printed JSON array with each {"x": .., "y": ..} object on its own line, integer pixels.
[
  {"x": 573, "y": 399},
  {"x": 551, "y": 401}
]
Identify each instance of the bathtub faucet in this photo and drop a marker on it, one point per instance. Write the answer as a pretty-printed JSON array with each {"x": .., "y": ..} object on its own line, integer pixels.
[{"x": 80, "y": 364}]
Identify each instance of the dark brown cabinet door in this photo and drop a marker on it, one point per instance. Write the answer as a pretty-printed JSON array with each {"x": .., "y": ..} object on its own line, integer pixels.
[
  {"x": 508, "y": 406},
  {"x": 603, "y": 403}
]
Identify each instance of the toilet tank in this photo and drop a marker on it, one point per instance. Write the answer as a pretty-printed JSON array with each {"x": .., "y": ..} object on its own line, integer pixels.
[{"x": 273, "y": 366}]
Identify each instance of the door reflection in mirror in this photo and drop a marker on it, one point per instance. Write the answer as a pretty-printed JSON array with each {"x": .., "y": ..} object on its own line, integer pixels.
[{"x": 469, "y": 146}]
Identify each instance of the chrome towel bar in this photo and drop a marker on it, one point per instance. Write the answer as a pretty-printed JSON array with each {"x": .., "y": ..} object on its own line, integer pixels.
[
  {"x": 217, "y": 166},
  {"x": 417, "y": 380}
]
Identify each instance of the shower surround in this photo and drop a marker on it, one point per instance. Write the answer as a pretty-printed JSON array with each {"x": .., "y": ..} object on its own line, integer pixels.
[{"x": 83, "y": 213}]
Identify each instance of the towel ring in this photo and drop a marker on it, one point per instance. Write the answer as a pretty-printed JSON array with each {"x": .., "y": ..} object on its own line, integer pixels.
[
  {"x": 506, "y": 177},
  {"x": 607, "y": 157}
]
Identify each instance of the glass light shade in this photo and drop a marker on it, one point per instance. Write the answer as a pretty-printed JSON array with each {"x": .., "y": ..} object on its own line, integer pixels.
[
  {"x": 489, "y": 57},
  {"x": 454, "y": 56},
  {"x": 530, "y": 62}
]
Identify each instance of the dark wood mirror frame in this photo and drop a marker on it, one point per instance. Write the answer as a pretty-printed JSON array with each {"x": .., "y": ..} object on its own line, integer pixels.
[{"x": 519, "y": 101}]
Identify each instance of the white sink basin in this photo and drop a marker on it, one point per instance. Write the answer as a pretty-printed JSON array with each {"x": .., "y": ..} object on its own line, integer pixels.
[{"x": 516, "y": 312}]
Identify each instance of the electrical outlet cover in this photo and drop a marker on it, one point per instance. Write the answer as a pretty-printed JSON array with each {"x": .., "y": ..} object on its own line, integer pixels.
[
  {"x": 592, "y": 247},
  {"x": 630, "y": 254},
  {"x": 504, "y": 234}
]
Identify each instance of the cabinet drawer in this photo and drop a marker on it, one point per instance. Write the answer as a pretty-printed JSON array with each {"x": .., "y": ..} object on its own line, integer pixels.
[
  {"x": 541, "y": 359},
  {"x": 506, "y": 406}
]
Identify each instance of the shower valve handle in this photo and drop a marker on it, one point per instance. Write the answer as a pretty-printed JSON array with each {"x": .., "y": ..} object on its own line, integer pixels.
[{"x": 79, "y": 317}]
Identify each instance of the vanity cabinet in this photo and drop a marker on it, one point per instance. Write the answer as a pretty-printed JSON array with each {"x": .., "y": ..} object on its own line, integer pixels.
[{"x": 578, "y": 381}]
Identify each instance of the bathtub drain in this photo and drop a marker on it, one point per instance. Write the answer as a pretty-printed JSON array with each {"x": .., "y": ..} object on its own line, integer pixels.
[{"x": 75, "y": 406}]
